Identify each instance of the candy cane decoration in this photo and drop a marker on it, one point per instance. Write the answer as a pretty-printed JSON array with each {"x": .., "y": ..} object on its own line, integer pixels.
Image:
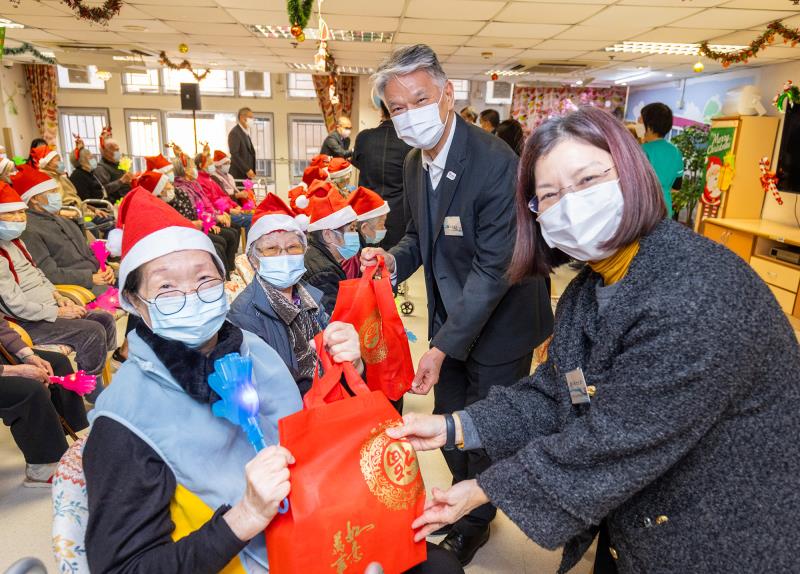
[{"x": 769, "y": 179}]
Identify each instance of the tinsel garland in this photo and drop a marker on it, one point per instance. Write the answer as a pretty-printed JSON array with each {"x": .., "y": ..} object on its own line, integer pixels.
[
  {"x": 26, "y": 48},
  {"x": 184, "y": 65},
  {"x": 742, "y": 56},
  {"x": 299, "y": 11},
  {"x": 98, "y": 14}
]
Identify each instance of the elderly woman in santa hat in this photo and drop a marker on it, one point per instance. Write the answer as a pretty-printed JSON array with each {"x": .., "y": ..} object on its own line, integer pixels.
[
  {"x": 205, "y": 169},
  {"x": 278, "y": 305},
  {"x": 223, "y": 177},
  {"x": 332, "y": 240},
  {"x": 49, "y": 161},
  {"x": 340, "y": 174},
  {"x": 371, "y": 212},
  {"x": 162, "y": 471}
]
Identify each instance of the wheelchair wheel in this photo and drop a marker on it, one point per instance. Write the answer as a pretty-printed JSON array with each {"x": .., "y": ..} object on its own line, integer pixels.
[{"x": 406, "y": 307}]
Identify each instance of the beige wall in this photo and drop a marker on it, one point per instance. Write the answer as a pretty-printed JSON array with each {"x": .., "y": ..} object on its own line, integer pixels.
[{"x": 21, "y": 125}]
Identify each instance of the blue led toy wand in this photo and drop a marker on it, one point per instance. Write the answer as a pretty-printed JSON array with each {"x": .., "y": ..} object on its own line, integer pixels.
[{"x": 232, "y": 380}]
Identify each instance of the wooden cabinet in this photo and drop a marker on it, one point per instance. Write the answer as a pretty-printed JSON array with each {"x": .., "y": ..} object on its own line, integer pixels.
[{"x": 739, "y": 242}]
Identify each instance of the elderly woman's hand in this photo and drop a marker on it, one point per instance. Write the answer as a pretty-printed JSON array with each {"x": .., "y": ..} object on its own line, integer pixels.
[
  {"x": 424, "y": 432},
  {"x": 267, "y": 477},
  {"x": 448, "y": 506},
  {"x": 341, "y": 339}
]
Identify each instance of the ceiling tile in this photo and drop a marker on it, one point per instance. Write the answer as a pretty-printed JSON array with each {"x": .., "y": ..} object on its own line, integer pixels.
[
  {"x": 490, "y": 42},
  {"x": 741, "y": 38},
  {"x": 93, "y": 36},
  {"x": 207, "y": 28},
  {"x": 474, "y": 60},
  {"x": 652, "y": 16},
  {"x": 182, "y": 14},
  {"x": 418, "y": 26},
  {"x": 391, "y": 8},
  {"x": 365, "y": 23},
  {"x": 192, "y": 3},
  {"x": 673, "y": 3},
  {"x": 602, "y": 56},
  {"x": 159, "y": 40},
  {"x": 549, "y": 55},
  {"x": 679, "y": 35},
  {"x": 130, "y": 12},
  {"x": 734, "y": 19},
  {"x": 570, "y": 1},
  {"x": 609, "y": 33},
  {"x": 243, "y": 5},
  {"x": 31, "y": 35},
  {"x": 131, "y": 26},
  {"x": 265, "y": 17},
  {"x": 239, "y": 40},
  {"x": 519, "y": 30},
  {"x": 547, "y": 13},
  {"x": 406, "y": 38},
  {"x": 496, "y": 53},
  {"x": 482, "y": 10},
  {"x": 444, "y": 50},
  {"x": 757, "y": 4},
  {"x": 582, "y": 45},
  {"x": 53, "y": 22}
]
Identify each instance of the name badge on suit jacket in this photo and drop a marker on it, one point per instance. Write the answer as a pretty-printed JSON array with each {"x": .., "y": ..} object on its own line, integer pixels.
[{"x": 452, "y": 226}]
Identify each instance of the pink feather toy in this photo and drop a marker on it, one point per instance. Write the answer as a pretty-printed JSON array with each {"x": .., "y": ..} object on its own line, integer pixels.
[
  {"x": 80, "y": 382},
  {"x": 208, "y": 220},
  {"x": 107, "y": 301},
  {"x": 100, "y": 252}
]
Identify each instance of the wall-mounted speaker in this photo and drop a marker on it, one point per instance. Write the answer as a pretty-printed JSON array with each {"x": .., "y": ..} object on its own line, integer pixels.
[{"x": 190, "y": 97}]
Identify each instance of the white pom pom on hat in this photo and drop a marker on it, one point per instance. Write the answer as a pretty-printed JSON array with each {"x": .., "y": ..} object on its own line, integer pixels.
[
  {"x": 301, "y": 202},
  {"x": 114, "y": 242}
]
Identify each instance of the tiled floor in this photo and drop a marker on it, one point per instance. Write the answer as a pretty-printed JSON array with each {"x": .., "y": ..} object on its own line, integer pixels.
[{"x": 25, "y": 520}]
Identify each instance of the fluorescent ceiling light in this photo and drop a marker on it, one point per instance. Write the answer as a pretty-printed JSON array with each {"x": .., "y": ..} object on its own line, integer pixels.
[
  {"x": 285, "y": 33},
  {"x": 6, "y": 23},
  {"x": 360, "y": 70},
  {"x": 668, "y": 48},
  {"x": 502, "y": 73},
  {"x": 624, "y": 81}
]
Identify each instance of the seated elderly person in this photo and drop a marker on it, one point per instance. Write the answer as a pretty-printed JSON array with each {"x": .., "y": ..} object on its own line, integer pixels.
[
  {"x": 33, "y": 408},
  {"x": 220, "y": 199},
  {"x": 82, "y": 177},
  {"x": 331, "y": 240},
  {"x": 7, "y": 169},
  {"x": 30, "y": 299},
  {"x": 49, "y": 161},
  {"x": 371, "y": 210},
  {"x": 115, "y": 181},
  {"x": 161, "y": 470},
  {"x": 56, "y": 244},
  {"x": 340, "y": 174},
  {"x": 186, "y": 182},
  {"x": 278, "y": 305},
  {"x": 223, "y": 177}
]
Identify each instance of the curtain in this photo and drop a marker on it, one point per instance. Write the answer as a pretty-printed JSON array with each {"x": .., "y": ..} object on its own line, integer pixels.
[
  {"x": 533, "y": 105},
  {"x": 345, "y": 87},
  {"x": 41, "y": 80}
]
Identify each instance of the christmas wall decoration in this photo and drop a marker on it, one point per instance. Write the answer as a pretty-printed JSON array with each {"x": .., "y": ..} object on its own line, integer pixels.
[
  {"x": 26, "y": 48},
  {"x": 183, "y": 65},
  {"x": 97, "y": 14},
  {"x": 790, "y": 95},
  {"x": 774, "y": 29},
  {"x": 299, "y": 12},
  {"x": 769, "y": 180}
]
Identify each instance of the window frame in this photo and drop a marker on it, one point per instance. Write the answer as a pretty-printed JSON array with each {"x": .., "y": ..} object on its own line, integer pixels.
[
  {"x": 159, "y": 88},
  {"x": 271, "y": 117},
  {"x": 103, "y": 90},
  {"x": 289, "y": 95},
  {"x": 466, "y": 98},
  {"x": 66, "y": 141},
  {"x": 254, "y": 95},
  {"x": 289, "y": 119},
  {"x": 127, "y": 112},
  {"x": 167, "y": 91}
]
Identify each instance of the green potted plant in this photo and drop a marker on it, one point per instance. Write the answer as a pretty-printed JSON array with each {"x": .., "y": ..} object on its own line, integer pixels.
[{"x": 692, "y": 143}]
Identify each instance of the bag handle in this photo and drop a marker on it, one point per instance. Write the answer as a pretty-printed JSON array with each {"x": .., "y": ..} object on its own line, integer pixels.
[
  {"x": 371, "y": 271},
  {"x": 322, "y": 387}
]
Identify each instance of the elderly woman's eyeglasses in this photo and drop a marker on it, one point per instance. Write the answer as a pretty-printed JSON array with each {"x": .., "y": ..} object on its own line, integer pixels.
[
  {"x": 275, "y": 250},
  {"x": 548, "y": 199},
  {"x": 172, "y": 301}
]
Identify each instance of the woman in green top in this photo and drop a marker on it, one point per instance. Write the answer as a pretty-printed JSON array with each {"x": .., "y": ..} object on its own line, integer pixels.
[{"x": 667, "y": 161}]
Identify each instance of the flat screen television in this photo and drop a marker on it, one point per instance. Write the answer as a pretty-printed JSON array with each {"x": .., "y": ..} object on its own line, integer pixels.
[{"x": 788, "y": 169}]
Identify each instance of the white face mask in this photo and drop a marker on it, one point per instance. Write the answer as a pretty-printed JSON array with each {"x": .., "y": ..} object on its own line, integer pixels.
[
  {"x": 168, "y": 195},
  {"x": 640, "y": 130},
  {"x": 224, "y": 168},
  {"x": 581, "y": 222},
  {"x": 421, "y": 127}
]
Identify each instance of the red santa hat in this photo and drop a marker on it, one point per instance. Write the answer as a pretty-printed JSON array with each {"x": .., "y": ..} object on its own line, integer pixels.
[
  {"x": 152, "y": 181},
  {"x": 313, "y": 172},
  {"x": 221, "y": 157},
  {"x": 158, "y": 163},
  {"x": 150, "y": 229},
  {"x": 272, "y": 214},
  {"x": 329, "y": 210},
  {"x": 42, "y": 155},
  {"x": 29, "y": 181},
  {"x": 320, "y": 160},
  {"x": 367, "y": 204},
  {"x": 10, "y": 199},
  {"x": 339, "y": 167},
  {"x": 298, "y": 201}
]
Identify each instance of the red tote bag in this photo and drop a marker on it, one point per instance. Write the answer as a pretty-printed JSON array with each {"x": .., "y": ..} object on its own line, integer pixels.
[
  {"x": 368, "y": 304},
  {"x": 355, "y": 491}
]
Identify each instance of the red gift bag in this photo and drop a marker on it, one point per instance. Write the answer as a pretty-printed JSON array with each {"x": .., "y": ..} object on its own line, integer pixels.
[
  {"x": 355, "y": 490},
  {"x": 368, "y": 304}
]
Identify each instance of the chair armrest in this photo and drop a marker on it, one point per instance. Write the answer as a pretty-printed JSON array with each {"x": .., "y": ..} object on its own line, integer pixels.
[
  {"x": 79, "y": 295},
  {"x": 22, "y": 333}
]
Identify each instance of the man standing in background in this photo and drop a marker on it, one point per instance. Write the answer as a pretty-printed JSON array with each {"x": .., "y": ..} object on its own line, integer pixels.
[
  {"x": 337, "y": 144},
  {"x": 379, "y": 155},
  {"x": 240, "y": 146}
]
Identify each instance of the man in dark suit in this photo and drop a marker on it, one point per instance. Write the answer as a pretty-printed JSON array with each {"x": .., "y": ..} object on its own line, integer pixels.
[
  {"x": 240, "y": 146},
  {"x": 337, "y": 143},
  {"x": 459, "y": 188},
  {"x": 379, "y": 156}
]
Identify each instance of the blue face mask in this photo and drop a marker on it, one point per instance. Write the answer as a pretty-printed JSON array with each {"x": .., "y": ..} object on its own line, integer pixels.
[
  {"x": 10, "y": 230},
  {"x": 92, "y": 164},
  {"x": 54, "y": 202},
  {"x": 351, "y": 245},
  {"x": 379, "y": 235},
  {"x": 60, "y": 167},
  {"x": 117, "y": 156},
  {"x": 281, "y": 271},
  {"x": 193, "y": 325}
]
